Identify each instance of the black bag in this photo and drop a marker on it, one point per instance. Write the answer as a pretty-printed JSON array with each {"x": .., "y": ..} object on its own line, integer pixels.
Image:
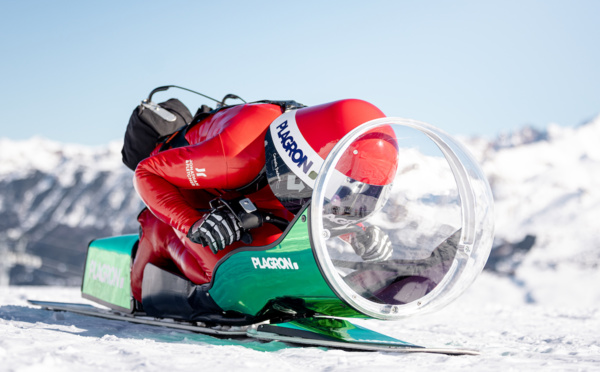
[{"x": 148, "y": 124}]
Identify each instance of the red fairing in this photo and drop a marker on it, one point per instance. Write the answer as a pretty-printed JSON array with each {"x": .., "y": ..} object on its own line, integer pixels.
[
  {"x": 227, "y": 153},
  {"x": 324, "y": 125}
]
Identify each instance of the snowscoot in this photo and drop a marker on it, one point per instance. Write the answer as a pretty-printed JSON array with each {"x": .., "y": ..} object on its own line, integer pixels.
[{"x": 304, "y": 287}]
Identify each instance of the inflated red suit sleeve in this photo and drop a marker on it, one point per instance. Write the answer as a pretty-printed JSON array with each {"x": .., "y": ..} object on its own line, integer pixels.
[
  {"x": 158, "y": 180},
  {"x": 229, "y": 159}
]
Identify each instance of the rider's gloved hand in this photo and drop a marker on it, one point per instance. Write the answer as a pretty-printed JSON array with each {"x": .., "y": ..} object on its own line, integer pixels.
[
  {"x": 372, "y": 245},
  {"x": 217, "y": 229}
]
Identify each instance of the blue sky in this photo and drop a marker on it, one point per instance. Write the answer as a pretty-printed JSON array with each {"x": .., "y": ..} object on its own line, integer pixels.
[{"x": 73, "y": 71}]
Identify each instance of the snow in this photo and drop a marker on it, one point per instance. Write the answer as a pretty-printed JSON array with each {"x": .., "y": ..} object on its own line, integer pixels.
[
  {"x": 549, "y": 189},
  {"x": 45, "y": 155},
  {"x": 493, "y": 317},
  {"x": 49, "y": 186}
]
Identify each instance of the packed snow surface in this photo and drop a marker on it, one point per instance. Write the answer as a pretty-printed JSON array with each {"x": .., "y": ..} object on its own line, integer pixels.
[{"x": 492, "y": 317}]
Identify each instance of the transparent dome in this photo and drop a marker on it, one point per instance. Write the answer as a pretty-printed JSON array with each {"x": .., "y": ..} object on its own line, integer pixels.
[{"x": 424, "y": 233}]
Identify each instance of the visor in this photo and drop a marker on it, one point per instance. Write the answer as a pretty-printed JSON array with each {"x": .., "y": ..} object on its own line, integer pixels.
[{"x": 354, "y": 201}]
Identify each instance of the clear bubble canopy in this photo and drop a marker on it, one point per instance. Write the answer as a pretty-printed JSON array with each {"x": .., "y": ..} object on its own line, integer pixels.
[{"x": 401, "y": 231}]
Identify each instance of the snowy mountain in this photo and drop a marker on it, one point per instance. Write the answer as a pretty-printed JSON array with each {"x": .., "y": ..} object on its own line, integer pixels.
[
  {"x": 545, "y": 185},
  {"x": 55, "y": 197}
]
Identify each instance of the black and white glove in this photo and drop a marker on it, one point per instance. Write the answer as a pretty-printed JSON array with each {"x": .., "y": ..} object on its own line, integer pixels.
[
  {"x": 372, "y": 245},
  {"x": 217, "y": 229}
]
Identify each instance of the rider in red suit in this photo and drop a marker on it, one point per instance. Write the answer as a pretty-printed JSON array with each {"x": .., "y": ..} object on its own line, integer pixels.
[{"x": 226, "y": 152}]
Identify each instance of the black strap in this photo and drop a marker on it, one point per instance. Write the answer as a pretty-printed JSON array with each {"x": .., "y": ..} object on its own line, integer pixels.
[
  {"x": 285, "y": 105},
  {"x": 174, "y": 140},
  {"x": 256, "y": 184},
  {"x": 205, "y": 111}
]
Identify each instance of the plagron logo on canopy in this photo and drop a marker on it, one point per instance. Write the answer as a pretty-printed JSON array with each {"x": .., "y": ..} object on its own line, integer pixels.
[{"x": 298, "y": 151}]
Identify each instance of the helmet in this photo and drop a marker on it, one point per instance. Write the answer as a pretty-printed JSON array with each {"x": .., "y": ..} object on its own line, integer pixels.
[
  {"x": 354, "y": 201},
  {"x": 298, "y": 142}
]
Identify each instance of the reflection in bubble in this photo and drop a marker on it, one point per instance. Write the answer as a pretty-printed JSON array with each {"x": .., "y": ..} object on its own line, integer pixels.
[
  {"x": 407, "y": 228},
  {"x": 419, "y": 213}
]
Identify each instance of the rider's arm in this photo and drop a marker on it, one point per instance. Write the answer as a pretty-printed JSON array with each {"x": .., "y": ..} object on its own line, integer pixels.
[
  {"x": 160, "y": 178},
  {"x": 228, "y": 153}
]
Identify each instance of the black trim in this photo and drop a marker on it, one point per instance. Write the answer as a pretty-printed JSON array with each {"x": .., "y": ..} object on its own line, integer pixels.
[
  {"x": 168, "y": 295},
  {"x": 108, "y": 304},
  {"x": 175, "y": 140},
  {"x": 87, "y": 251},
  {"x": 258, "y": 183},
  {"x": 202, "y": 114},
  {"x": 285, "y": 105}
]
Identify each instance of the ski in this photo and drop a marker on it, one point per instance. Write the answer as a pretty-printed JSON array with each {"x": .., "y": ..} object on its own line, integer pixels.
[
  {"x": 318, "y": 332},
  {"x": 341, "y": 334},
  {"x": 266, "y": 336},
  {"x": 89, "y": 310}
]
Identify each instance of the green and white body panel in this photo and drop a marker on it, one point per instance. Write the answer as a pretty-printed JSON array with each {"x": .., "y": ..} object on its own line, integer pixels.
[
  {"x": 107, "y": 273},
  {"x": 285, "y": 272},
  {"x": 246, "y": 281}
]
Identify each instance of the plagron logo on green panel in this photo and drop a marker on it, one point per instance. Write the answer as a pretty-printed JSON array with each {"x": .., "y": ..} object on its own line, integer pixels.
[
  {"x": 274, "y": 263},
  {"x": 107, "y": 276}
]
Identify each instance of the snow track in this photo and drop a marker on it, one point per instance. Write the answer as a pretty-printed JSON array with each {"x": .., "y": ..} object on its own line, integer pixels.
[{"x": 492, "y": 316}]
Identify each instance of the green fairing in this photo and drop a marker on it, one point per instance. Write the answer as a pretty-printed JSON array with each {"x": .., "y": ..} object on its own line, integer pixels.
[
  {"x": 331, "y": 306},
  {"x": 120, "y": 244},
  {"x": 107, "y": 270},
  {"x": 342, "y": 330},
  {"x": 249, "y": 279}
]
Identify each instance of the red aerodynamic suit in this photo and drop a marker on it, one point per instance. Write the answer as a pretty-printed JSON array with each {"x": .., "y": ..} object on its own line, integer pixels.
[{"x": 226, "y": 152}]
